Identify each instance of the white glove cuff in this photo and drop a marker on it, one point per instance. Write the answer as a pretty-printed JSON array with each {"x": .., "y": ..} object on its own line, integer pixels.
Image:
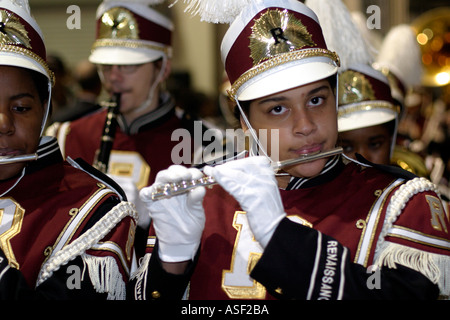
[{"x": 177, "y": 253}]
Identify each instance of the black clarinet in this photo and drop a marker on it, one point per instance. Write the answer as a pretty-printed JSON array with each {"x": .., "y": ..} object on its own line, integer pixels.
[{"x": 109, "y": 132}]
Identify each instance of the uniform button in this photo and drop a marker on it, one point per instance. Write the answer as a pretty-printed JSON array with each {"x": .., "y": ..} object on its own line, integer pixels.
[{"x": 156, "y": 295}]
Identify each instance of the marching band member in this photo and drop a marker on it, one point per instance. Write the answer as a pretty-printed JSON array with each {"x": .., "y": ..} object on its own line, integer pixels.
[
  {"x": 58, "y": 219},
  {"x": 370, "y": 95},
  {"x": 314, "y": 230},
  {"x": 133, "y": 51}
]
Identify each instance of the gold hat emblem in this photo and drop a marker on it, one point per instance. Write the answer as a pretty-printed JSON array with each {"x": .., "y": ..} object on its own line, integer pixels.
[
  {"x": 277, "y": 32},
  {"x": 118, "y": 23},
  {"x": 12, "y": 32},
  {"x": 354, "y": 87}
]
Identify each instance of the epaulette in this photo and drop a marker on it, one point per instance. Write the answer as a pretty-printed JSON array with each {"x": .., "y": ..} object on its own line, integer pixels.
[{"x": 98, "y": 175}]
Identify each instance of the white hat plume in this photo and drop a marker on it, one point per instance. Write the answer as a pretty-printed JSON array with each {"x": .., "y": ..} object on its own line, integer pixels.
[
  {"x": 216, "y": 11},
  {"x": 400, "y": 53},
  {"x": 340, "y": 33}
]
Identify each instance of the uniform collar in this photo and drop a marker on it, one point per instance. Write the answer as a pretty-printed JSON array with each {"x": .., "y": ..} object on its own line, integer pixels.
[
  {"x": 164, "y": 111},
  {"x": 332, "y": 169},
  {"x": 48, "y": 153}
]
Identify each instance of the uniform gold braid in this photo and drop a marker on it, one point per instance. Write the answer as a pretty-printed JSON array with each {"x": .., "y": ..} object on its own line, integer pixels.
[
  {"x": 32, "y": 55},
  {"x": 279, "y": 60},
  {"x": 366, "y": 106},
  {"x": 127, "y": 44}
]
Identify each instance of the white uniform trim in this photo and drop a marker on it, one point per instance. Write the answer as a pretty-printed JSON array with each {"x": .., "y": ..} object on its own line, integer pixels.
[
  {"x": 435, "y": 267},
  {"x": 76, "y": 220},
  {"x": 412, "y": 235},
  {"x": 316, "y": 265},
  {"x": 372, "y": 222},
  {"x": 113, "y": 247},
  {"x": 399, "y": 200},
  {"x": 87, "y": 240}
]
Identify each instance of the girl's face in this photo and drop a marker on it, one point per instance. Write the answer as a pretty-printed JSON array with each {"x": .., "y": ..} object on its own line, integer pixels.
[
  {"x": 21, "y": 114},
  {"x": 306, "y": 120},
  {"x": 373, "y": 143}
]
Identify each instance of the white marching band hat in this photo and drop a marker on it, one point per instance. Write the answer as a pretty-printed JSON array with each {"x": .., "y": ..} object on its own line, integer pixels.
[
  {"x": 270, "y": 45},
  {"x": 364, "y": 94},
  {"x": 364, "y": 99},
  {"x": 22, "y": 43},
  {"x": 130, "y": 32},
  {"x": 274, "y": 46},
  {"x": 400, "y": 59}
]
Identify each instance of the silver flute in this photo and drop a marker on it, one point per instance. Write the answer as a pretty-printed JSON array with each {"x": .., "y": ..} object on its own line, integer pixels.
[
  {"x": 176, "y": 188},
  {"x": 19, "y": 158}
]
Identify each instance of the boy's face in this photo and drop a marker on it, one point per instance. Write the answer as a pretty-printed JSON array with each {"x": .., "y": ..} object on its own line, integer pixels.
[
  {"x": 306, "y": 119},
  {"x": 133, "y": 82},
  {"x": 21, "y": 114},
  {"x": 373, "y": 143}
]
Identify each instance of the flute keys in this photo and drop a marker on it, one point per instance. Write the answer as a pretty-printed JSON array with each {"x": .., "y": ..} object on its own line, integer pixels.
[
  {"x": 172, "y": 189},
  {"x": 175, "y": 188}
]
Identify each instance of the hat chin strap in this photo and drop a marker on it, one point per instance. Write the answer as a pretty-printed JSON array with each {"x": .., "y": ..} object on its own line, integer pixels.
[
  {"x": 253, "y": 146},
  {"x": 47, "y": 109},
  {"x": 394, "y": 137},
  {"x": 152, "y": 90}
]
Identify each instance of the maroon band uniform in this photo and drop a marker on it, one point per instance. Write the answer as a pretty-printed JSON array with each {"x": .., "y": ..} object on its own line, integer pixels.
[{"x": 59, "y": 218}]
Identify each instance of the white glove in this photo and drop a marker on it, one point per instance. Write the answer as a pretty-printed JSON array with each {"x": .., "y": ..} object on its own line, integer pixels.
[
  {"x": 132, "y": 192},
  {"x": 251, "y": 181},
  {"x": 178, "y": 221}
]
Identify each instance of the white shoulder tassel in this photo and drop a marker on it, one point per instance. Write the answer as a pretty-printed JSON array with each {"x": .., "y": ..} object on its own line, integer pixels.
[
  {"x": 105, "y": 276},
  {"x": 86, "y": 240},
  {"x": 435, "y": 267},
  {"x": 399, "y": 201}
]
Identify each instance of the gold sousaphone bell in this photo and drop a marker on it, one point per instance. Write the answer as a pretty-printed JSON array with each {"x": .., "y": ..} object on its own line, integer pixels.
[{"x": 433, "y": 34}]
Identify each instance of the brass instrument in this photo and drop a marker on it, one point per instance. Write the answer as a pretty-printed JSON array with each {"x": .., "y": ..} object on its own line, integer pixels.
[
  {"x": 109, "y": 132},
  {"x": 173, "y": 189},
  {"x": 18, "y": 158},
  {"x": 409, "y": 161},
  {"x": 432, "y": 29}
]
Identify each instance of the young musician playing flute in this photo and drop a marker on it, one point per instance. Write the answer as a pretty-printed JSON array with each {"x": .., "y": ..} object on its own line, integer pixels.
[{"x": 313, "y": 231}]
